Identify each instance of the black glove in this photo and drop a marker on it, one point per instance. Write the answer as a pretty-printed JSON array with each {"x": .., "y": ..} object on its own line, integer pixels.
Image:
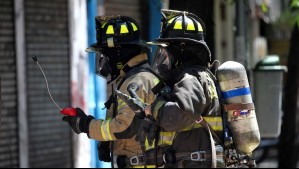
[
  {"x": 147, "y": 130},
  {"x": 104, "y": 151},
  {"x": 80, "y": 122}
]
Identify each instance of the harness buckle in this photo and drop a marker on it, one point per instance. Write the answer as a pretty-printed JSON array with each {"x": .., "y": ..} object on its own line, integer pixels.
[
  {"x": 198, "y": 156},
  {"x": 135, "y": 160}
]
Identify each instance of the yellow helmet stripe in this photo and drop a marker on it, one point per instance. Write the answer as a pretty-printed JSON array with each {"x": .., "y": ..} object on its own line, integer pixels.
[
  {"x": 134, "y": 27},
  {"x": 104, "y": 24},
  {"x": 171, "y": 20},
  {"x": 200, "y": 29},
  {"x": 124, "y": 29},
  {"x": 190, "y": 25},
  {"x": 178, "y": 25},
  {"x": 110, "y": 30}
]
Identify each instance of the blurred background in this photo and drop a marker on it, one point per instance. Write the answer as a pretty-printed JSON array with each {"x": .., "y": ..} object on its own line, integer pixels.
[{"x": 263, "y": 35}]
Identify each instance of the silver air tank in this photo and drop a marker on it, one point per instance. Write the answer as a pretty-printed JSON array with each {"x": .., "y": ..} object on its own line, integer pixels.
[{"x": 239, "y": 106}]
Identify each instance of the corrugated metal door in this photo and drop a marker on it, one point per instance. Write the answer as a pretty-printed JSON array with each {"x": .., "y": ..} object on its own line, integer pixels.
[
  {"x": 46, "y": 33},
  {"x": 131, "y": 8},
  {"x": 124, "y": 7},
  {"x": 9, "y": 130}
]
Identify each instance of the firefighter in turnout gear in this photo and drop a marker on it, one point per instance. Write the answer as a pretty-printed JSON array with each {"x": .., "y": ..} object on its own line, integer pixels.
[
  {"x": 120, "y": 57},
  {"x": 188, "y": 112}
]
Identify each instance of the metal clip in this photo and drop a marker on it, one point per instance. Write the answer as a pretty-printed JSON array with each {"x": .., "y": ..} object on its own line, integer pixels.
[
  {"x": 135, "y": 160},
  {"x": 197, "y": 156}
]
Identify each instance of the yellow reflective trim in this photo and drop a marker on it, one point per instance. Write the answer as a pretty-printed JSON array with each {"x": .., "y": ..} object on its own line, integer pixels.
[
  {"x": 217, "y": 128},
  {"x": 103, "y": 131},
  {"x": 156, "y": 81},
  {"x": 213, "y": 119},
  {"x": 178, "y": 25},
  {"x": 121, "y": 103},
  {"x": 156, "y": 109},
  {"x": 104, "y": 24},
  {"x": 215, "y": 123},
  {"x": 147, "y": 146},
  {"x": 124, "y": 29},
  {"x": 110, "y": 30},
  {"x": 171, "y": 20},
  {"x": 200, "y": 29},
  {"x": 108, "y": 130},
  {"x": 142, "y": 166},
  {"x": 134, "y": 27},
  {"x": 166, "y": 138},
  {"x": 212, "y": 88},
  {"x": 191, "y": 127}
]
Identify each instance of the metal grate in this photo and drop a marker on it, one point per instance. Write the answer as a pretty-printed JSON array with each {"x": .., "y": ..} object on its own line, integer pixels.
[
  {"x": 9, "y": 130},
  {"x": 46, "y": 24}
]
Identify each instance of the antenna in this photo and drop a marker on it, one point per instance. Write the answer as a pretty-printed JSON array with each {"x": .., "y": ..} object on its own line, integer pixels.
[{"x": 35, "y": 60}]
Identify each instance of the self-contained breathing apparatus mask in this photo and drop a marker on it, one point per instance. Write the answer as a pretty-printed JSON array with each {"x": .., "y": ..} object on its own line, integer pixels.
[
  {"x": 110, "y": 61},
  {"x": 169, "y": 60},
  {"x": 103, "y": 67},
  {"x": 163, "y": 62}
]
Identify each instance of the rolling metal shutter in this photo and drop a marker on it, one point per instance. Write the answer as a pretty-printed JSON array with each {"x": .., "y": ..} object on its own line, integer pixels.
[
  {"x": 46, "y": 34},
  {"x": 131, "y": 8},
  {"x": 9, "y": 157},
  {"x": 124, "y": 7}
]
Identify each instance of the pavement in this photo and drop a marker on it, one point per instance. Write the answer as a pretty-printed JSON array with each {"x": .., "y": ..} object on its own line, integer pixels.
[{"x": 271, "y": 160}]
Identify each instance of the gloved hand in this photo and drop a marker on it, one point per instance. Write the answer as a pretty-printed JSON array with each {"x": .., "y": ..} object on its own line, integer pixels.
[
  {"x": 134, "y": 103},
  {"x": 147, "y": 130},
  {"x": 80, "y": 122},
  {"x": 104, "y": 151}
]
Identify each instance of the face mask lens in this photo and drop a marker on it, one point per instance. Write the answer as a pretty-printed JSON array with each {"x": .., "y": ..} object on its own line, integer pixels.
[
  {"x": 102, "y": 66},
  {"x": 162, "y": 63}
]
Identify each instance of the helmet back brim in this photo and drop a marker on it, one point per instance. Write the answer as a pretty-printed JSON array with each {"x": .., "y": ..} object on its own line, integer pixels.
[
  {"x": 167, "y": 41},
  {"x": 97, "y": 47}
]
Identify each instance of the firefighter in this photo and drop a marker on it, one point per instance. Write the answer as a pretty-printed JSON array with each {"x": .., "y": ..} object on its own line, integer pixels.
[
  {"x": 192, "y": 113},
  {"x": 120, "y": 57},
  {"x": 188, "y": 111}
]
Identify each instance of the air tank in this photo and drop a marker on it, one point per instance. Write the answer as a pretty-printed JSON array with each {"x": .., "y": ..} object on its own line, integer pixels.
[{"x": 241, "y": 116}]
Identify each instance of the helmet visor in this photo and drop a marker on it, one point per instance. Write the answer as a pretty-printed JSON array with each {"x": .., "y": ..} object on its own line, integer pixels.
[
  {"x": 103, "y": 68},
  {"x": 162, "y": 63}
]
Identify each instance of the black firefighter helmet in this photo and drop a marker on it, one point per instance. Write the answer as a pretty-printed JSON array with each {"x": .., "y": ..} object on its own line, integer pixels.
[
  {"x": 118, "y": 41},
  {"x": 181, "y": 43}
]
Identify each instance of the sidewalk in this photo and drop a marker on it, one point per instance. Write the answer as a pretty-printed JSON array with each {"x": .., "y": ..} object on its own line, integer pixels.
[{"x": 271, "y": 161}]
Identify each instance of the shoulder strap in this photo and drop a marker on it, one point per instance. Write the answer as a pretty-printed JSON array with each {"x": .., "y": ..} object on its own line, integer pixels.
[
  {"x": 212, "y": 133},
  {"x": 142, "y": 68}
]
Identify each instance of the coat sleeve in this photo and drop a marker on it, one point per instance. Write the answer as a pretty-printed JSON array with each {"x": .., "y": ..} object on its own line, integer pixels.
[
  {"x": 186, "y": 106},
  {"x": 125, "y": 125}
]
